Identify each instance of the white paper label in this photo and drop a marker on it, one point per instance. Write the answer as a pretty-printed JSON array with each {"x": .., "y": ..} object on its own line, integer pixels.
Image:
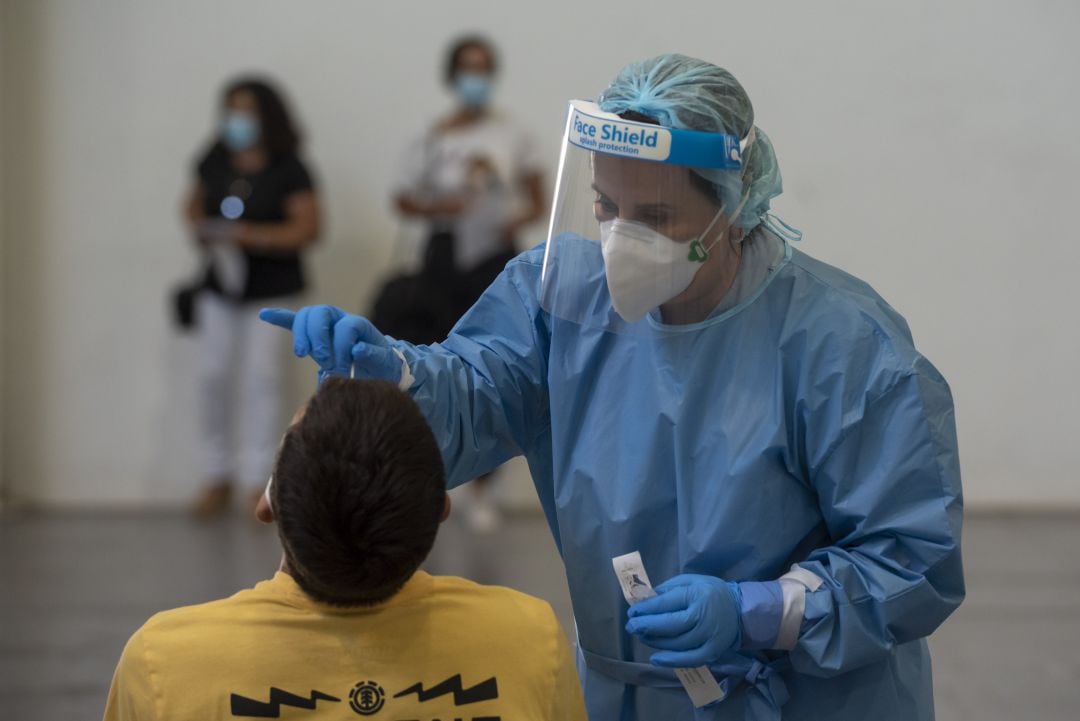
[
  {"x": 701, "y": 686},
  {"x": 614, "y": 137}
]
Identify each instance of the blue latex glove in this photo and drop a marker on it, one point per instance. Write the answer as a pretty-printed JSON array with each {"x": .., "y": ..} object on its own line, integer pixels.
[
  {"x": 693, "y": 619},
  {"x": 339, "y": 342}
]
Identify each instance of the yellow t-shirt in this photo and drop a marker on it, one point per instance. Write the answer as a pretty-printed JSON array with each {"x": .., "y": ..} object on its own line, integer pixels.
[{"x": 442, "y": 648}]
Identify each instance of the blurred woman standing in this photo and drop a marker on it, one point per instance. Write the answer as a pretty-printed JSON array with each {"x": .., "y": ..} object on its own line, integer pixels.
[
  {"x": 474, "y": 179},
  {"x": 253, "y": 209}
]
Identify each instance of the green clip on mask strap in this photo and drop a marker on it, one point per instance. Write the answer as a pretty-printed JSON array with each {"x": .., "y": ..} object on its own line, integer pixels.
[{"x": 698, "y": 252}]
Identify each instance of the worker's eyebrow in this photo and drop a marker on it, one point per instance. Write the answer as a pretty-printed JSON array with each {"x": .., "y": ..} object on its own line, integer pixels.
[{"x": 653, "y": 207}]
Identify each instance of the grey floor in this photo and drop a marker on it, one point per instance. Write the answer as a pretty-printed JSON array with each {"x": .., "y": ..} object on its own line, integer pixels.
[{"x": 73, "y": 587}]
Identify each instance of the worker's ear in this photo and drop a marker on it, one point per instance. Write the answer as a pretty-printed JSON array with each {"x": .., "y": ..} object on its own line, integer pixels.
[
  {"x": 446, "y": 509},
  {"x": 263, "y": 511}
]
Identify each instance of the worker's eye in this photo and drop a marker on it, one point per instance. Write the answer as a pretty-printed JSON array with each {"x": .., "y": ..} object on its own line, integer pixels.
[{"x": 604, "y": 209}]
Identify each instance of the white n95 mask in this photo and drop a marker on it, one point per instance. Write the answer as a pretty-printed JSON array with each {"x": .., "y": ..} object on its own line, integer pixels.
[{"x": 645, "y": 268}]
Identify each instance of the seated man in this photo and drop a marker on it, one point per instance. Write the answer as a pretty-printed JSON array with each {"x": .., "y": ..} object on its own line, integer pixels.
[{"x": 349, "y": 626}]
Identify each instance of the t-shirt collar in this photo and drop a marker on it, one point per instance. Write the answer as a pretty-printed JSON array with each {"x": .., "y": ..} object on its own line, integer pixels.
[{"x": 284, "y": 586}]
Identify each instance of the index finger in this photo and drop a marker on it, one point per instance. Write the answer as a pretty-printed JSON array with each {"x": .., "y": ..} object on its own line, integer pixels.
[
  {"x": 281, "y": 317},
  {"x": 669, "y": 602}
]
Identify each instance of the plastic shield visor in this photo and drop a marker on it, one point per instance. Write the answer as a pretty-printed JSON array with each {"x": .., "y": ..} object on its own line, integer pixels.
[{"x": 637, "y": 220}]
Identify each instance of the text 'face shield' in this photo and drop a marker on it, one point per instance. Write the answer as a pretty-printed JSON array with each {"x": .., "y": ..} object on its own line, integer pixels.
[{"x": 636, "y": 223}]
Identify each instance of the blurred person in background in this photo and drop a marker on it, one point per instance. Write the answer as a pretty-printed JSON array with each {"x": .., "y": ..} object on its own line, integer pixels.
[
  {"x": 474, "y": 179},
  {"x": 253, "y": 209}
]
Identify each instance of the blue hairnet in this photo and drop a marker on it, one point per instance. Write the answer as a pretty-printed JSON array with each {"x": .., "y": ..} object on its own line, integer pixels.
[{"x": 683, "y": 92}]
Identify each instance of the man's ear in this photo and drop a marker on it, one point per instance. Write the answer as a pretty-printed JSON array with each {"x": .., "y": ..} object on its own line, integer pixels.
[
  {"x": 263, "y": 511},
  {"x": 446, "y": 509}
]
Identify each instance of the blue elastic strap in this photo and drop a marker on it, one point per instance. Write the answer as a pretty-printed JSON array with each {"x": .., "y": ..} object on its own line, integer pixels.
[
  {"x": 704, "y": 150},
  {"x": 789, "y": 233}
]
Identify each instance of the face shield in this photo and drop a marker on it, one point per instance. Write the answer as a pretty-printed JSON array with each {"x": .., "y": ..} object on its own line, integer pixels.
[{"x": 641, "y": 221}]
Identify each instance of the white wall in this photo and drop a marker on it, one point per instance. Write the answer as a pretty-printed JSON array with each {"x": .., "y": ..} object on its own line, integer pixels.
[
  {"x": 927, "y": 147},
  {"x": 3, "y": 161}
]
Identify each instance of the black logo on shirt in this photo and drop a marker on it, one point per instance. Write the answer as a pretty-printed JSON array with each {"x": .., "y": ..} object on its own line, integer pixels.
[
  {"x": 483, "y": 691},
  {"x": 243, "y": 706},
  {"x": 366, "y": 698}
]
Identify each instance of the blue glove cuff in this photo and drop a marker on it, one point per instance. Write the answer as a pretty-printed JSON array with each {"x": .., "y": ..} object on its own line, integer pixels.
[{"x": 761, "y": 610}]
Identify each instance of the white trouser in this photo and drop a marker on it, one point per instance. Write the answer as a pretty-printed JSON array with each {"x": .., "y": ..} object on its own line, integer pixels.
[{"x": 241, "y": 388}]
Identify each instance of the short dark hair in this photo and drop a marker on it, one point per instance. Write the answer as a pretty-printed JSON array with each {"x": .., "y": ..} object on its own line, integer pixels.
[
  {"x": 459, "y": 46},
  {"x": 280, "y": 136},
  {"x": 358, "y": 492}
]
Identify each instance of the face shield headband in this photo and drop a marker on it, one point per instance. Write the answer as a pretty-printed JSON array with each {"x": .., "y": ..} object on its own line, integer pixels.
[{"x": 591, "y": 128}]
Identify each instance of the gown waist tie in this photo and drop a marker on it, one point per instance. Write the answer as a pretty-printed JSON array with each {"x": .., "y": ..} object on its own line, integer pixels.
[{"x": 766, "y": 694}]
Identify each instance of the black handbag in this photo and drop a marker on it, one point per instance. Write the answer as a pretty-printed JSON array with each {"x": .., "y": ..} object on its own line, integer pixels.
[
  {"x": 183, "y": 303},
  {"x": 422, "y": 308}
]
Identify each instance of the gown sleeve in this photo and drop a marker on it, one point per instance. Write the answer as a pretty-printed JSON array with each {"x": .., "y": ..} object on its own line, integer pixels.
[
  {"x": 888, "y": 484},
  {"x": 484, "y": 390}
]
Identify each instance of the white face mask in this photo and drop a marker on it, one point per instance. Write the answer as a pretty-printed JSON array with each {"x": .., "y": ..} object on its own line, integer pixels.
[{"x": 645, "y": 268}]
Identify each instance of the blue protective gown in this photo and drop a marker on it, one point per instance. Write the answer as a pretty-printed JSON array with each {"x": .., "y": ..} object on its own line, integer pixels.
[{"x": 801, "y": 426}]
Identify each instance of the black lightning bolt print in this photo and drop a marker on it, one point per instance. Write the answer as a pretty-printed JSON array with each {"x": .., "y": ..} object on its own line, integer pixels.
[
  {"x": 243, "y": 706},
  {"x": 483, "y": 691}
]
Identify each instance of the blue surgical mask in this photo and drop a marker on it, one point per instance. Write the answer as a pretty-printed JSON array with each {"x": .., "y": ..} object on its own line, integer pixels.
[
  {"x": 239, "y": 130},
  {"x": 474, "y": 89}
]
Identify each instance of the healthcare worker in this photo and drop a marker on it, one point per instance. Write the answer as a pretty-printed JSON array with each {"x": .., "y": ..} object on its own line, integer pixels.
[{"x": 686, "y": 384}]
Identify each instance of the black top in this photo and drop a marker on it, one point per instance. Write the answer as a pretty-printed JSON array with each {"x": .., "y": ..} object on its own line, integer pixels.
[{"x": 269, "y": 273}]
